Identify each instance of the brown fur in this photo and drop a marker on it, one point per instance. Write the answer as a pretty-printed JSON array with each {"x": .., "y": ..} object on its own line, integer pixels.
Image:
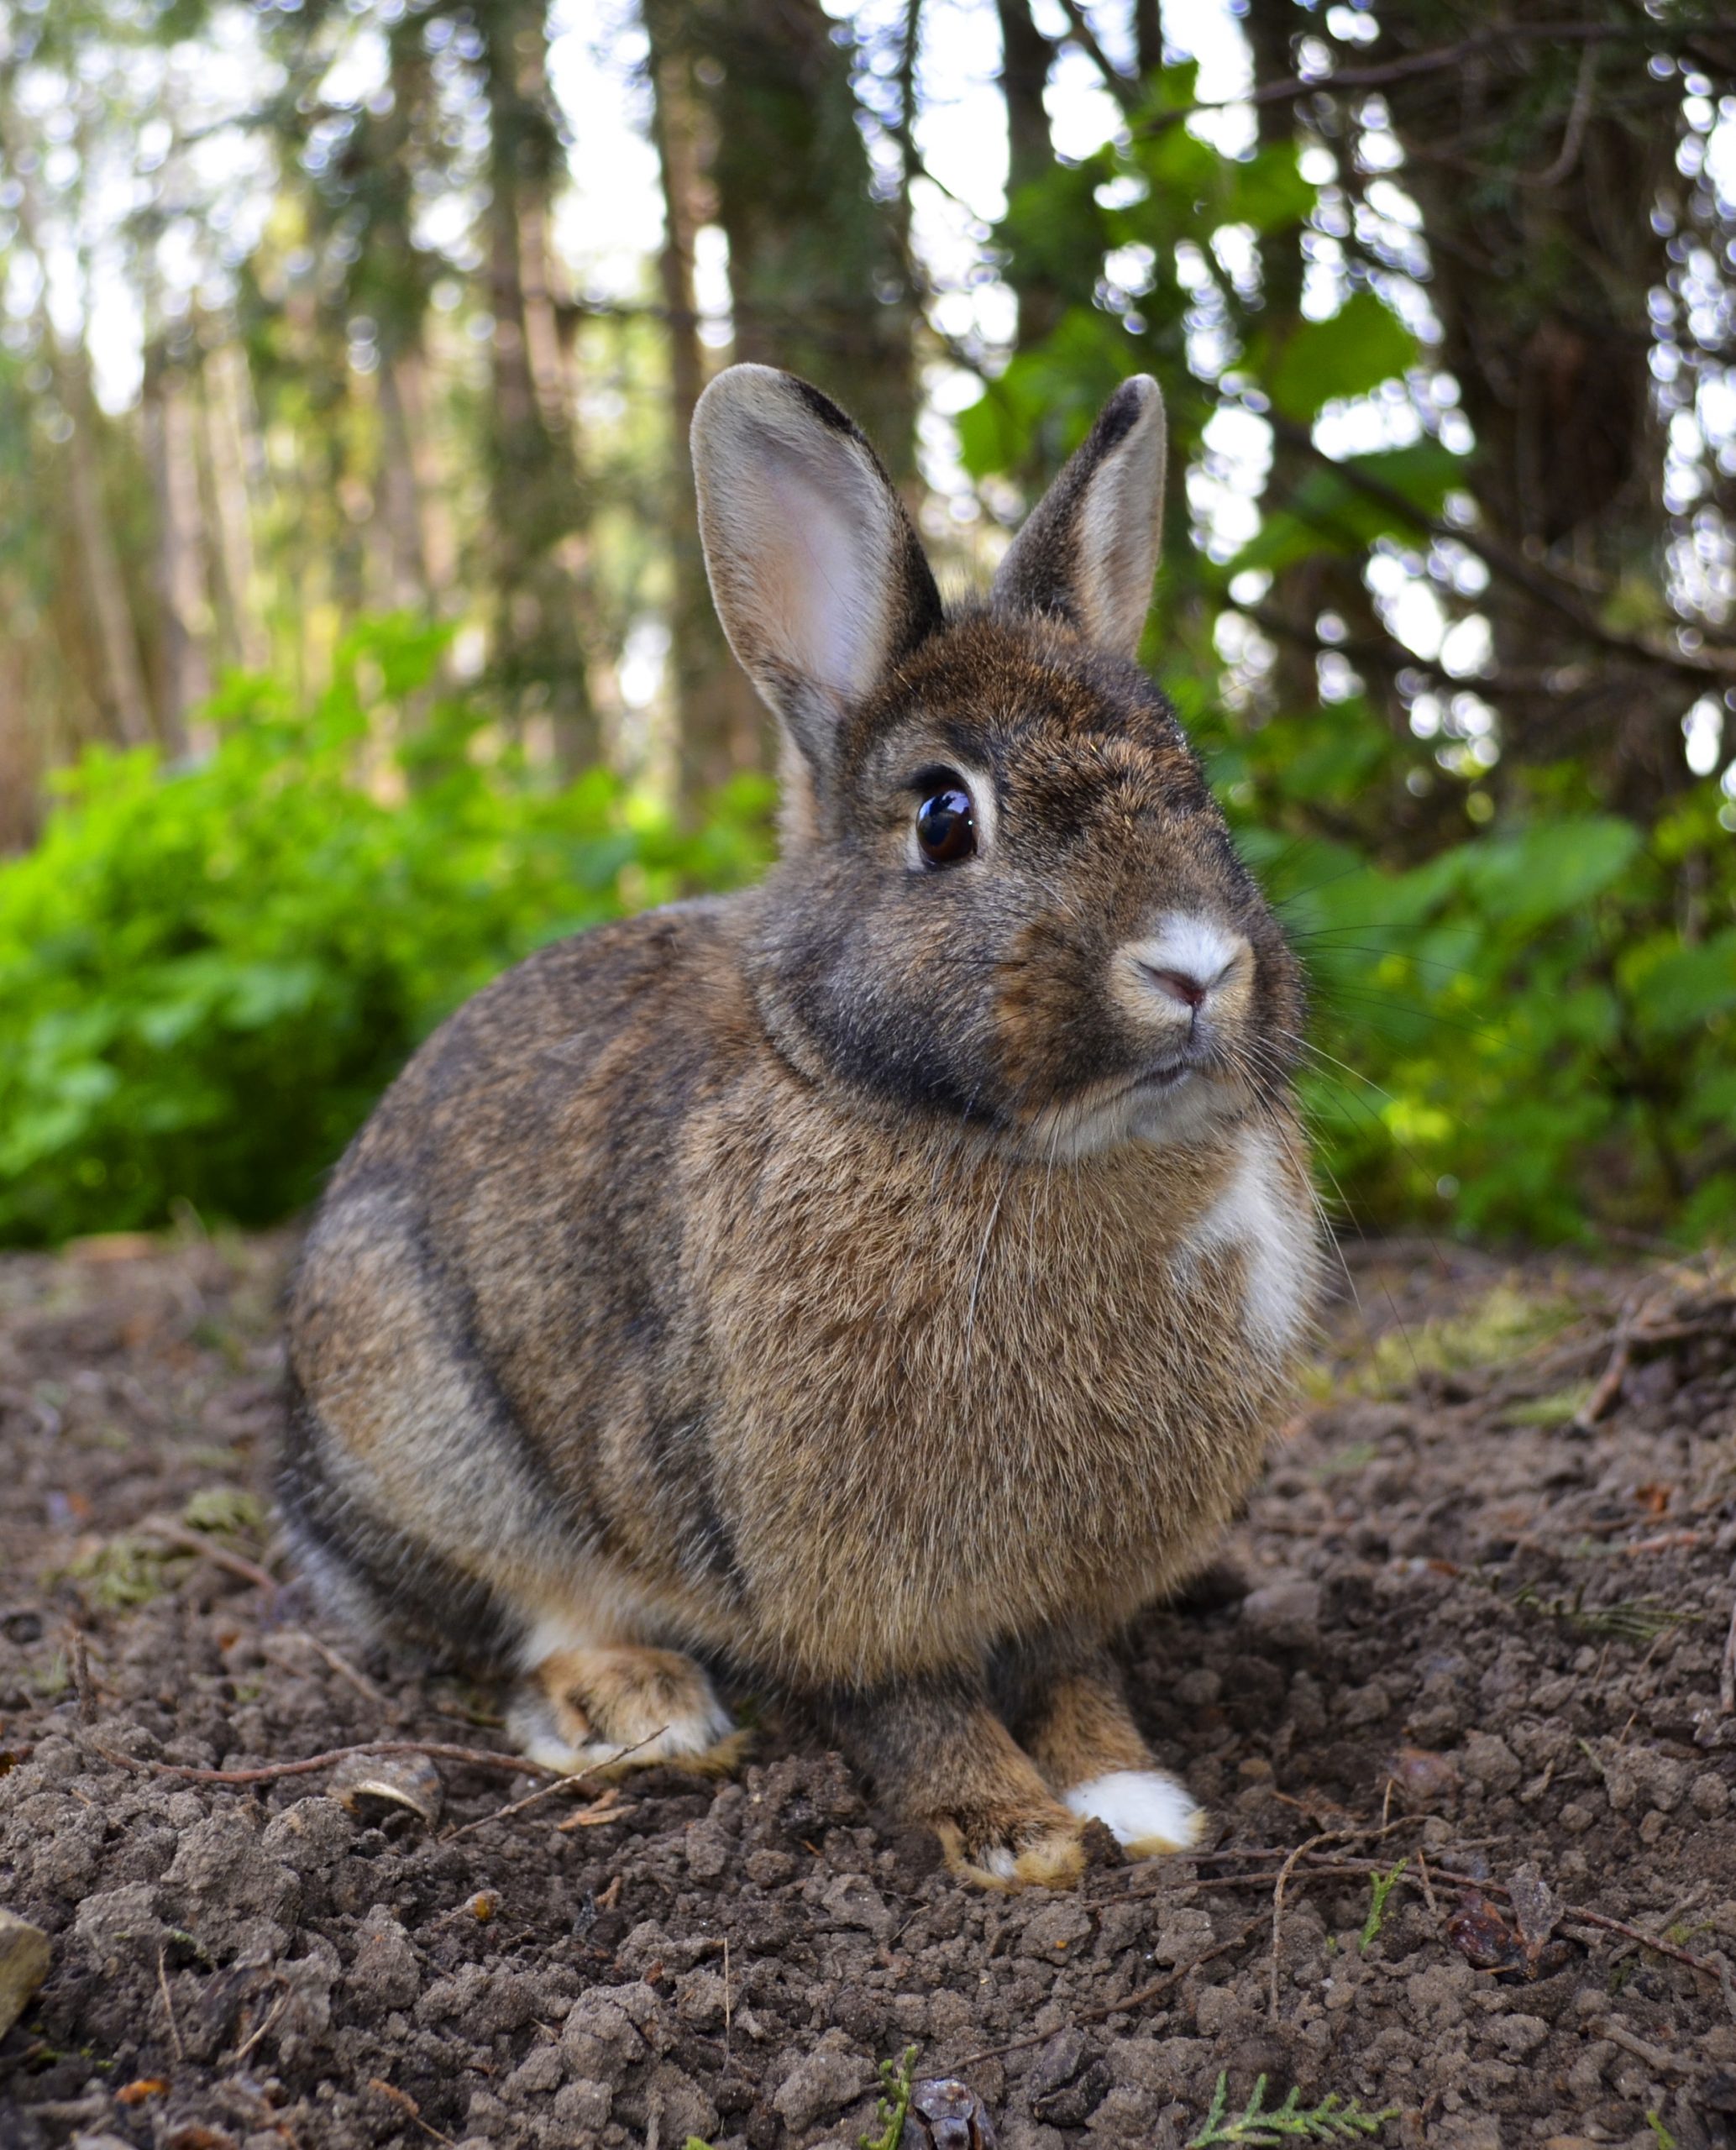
[{"x": 750, "y": 1279}]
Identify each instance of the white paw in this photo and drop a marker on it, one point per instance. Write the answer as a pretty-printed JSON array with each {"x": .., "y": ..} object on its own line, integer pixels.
[{"x": 1140, "y": 1808}]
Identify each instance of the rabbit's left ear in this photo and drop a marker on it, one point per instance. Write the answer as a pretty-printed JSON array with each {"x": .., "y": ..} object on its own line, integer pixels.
[{"x": 1088, "y": 549}]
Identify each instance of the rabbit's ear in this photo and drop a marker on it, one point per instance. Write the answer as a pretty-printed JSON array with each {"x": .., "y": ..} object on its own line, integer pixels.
[
  {"x": 816, "y": 574},
  {"x": 1089, "y": 547}
]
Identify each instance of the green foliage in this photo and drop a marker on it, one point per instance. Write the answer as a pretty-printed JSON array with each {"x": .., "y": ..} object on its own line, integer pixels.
[
  {"x": 1381, "y": 1886},
  {"x": 207, "y": 973},
  {"x": 1331, "y": 2121},
  {"x": 896, "y": 2078},
  {"x": 1522, "y": 1023}
]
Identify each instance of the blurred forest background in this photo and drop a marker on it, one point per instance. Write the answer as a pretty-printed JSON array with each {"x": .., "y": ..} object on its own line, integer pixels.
[{"x": 355, "y": 635}]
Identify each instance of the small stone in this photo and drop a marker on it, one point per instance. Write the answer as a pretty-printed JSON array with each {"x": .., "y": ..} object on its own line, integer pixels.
[
  {"x": 1287, "y": 1613},
  {"x": 822, "y": 2084},
  {"x": 1490, "y": 1762},
  {"x": 23, "y": 1965},
  {"x": 852, "y": 1900},
  {"x": 1710, "y": 1796},
  {"x": 1056, "y": 1928}
]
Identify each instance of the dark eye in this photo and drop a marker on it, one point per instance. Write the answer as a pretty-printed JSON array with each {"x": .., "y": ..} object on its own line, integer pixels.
[{"x": 947, "y": 826}]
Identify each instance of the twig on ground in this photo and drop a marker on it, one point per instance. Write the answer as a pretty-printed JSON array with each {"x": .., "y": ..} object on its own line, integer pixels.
[
  {"x": 345, "y": 1670},
  {"x": 1285, "y": 1871},
  {"x": 1576, "y": 1914},
  {"x": 168, "y": 2004},
  {"x": 481, "y": 1758},
  {"x": 1727, "y": 1669},
  {"x": 253, "y": 2036},
  {"x": 1609, "y": 1382},
  {"x": 605, "y": 1808},
  {"x": 196, "y": 1541},
  {"x": 406, "y": 2103},
  {"x": 563, "y": 1780}
]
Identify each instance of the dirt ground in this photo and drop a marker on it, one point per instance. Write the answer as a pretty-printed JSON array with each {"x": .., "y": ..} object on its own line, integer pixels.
[{"x": 1454, "y": 1698}]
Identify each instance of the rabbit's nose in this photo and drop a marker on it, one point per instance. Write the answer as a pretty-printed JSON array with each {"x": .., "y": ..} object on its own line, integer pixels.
[
  {"x": 1179, "y": 985},
  {"x": 1185, "y": 962}
]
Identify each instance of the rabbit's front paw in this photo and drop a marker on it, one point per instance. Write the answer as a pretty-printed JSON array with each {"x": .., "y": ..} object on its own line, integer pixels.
[
  {"x": 608, "y": 1710},
  {"x": 1013, "y": 1848},
  {"x": 1147, "y": 1812}
]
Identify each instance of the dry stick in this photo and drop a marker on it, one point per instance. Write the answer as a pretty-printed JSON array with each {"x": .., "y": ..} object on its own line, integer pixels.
[
  {"x": 1127, "y": 2002},
  {"x": 1575, "y": 1914},
  {"x": 1610, "y": 1380},
  {"x": 562, "y": 1778},
  {"x": 194, "y": 1541},
  {"x": 482, "y": 1757},
  {"x": 1285, "y": 1871},
  {"x": 277, "y": 2009},
  {"x": 345, "y": 1670},
  {"x": 403, "y": 2099},
  {"x": 168, "y": 2004}
]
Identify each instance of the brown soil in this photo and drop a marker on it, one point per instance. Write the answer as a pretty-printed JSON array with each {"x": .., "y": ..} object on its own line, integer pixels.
[{"x": 1460, "y": 1633}]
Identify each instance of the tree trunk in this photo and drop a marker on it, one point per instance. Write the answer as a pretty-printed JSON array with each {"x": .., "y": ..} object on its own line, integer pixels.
[
  {"x": 227, "y": 442},
  {"x": 1538, "y": 187},
  {"x": 183, "y": 604},
  {"x": 536, "y": 509},
  {"x": 720, "y": 726},
  {"x": 818, "y": 280},
  {"x": 1026, "y": 55}
]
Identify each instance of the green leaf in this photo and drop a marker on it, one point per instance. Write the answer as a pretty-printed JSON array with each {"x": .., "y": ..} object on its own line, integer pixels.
[{"x": 1354, "y": 351}]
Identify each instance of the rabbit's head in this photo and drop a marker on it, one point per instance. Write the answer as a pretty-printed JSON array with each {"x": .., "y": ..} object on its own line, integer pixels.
[{"x": 1005, "y": 894}]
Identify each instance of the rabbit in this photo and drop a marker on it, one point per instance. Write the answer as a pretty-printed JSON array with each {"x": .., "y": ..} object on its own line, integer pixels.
[{"x": 877, "y": 1286}]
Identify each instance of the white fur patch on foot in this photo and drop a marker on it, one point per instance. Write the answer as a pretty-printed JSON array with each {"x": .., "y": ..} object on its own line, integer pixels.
[{"x": 1141, "y": 1809}]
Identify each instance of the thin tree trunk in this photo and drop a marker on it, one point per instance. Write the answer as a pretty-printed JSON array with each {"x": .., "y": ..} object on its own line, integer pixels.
[
  {"x": 128, "y": 703},
  {"x": 183, "y": 605},
  {"x": 538, "y": 511},
  {"x": 1026, "y": 55},
  {"x": 400, "y": 508},
  {"x": 226, "y": 409},
  {"x": 718, "y": 720},
  {"x": 818, "y": 279}
]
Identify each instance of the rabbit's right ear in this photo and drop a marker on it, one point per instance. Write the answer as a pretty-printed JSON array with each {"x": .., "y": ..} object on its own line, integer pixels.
[{"x": 817, "y": 573}]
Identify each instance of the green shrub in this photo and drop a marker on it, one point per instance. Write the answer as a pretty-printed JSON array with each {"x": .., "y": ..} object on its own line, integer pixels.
[{"x": 207, "y": 974}]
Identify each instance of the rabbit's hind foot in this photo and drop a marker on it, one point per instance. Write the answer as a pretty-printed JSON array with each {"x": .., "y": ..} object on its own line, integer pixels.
[
  {"x": 602, "y": 1712},
  {"x": 1076, "y": 1726},
  {"x": 1147, "y": 1812},
  {"x": 1033, "y": 1844}
]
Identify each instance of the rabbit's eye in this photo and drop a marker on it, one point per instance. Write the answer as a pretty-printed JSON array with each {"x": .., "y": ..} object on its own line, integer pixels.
[{"x": 946, "y": 827}]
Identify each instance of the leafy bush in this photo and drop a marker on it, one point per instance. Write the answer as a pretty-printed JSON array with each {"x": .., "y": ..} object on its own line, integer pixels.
[
  {"x": 207, "y": 974},
  {"x": 1515, "y": 1038}
]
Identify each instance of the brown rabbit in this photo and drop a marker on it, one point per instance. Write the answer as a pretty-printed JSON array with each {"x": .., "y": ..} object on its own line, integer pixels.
[{"x": 881, "y": 1283}]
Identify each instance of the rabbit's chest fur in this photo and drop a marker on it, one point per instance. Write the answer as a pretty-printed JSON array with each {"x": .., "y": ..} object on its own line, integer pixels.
[{"x": 964, "y": 1399}]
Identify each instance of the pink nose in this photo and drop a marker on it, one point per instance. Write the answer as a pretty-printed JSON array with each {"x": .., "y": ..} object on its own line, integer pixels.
[{"x": 1179, "y": 985}]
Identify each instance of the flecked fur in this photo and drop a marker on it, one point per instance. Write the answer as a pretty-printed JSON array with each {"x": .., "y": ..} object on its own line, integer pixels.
[{"x": 805, "y": 1281}]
